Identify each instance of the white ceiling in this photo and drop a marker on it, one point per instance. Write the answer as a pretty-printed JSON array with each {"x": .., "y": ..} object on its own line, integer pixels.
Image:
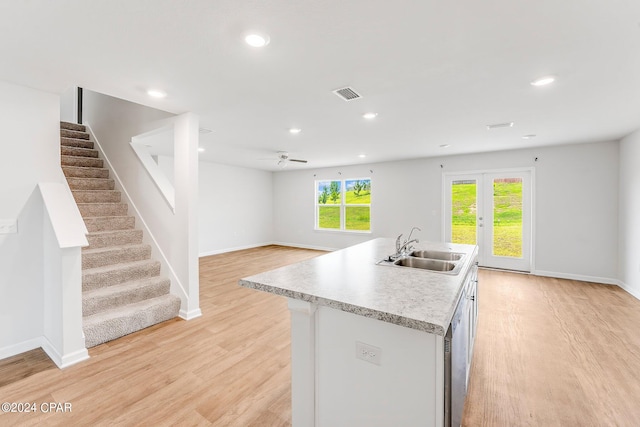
[{"x": 436, "y": 72}]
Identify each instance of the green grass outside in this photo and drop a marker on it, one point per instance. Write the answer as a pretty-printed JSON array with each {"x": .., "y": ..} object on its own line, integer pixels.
[
  {"x": 363, "y": 199},
  {"x": 357, "y": 218},
  {"x": 507, "y": 223}
]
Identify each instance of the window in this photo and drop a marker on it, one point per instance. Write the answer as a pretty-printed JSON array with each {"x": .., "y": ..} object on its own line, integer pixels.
[{"x": 343, "y": 205}]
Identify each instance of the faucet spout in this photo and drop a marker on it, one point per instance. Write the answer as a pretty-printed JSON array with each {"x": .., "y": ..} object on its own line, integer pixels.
[{"x": 403, "y": 248}]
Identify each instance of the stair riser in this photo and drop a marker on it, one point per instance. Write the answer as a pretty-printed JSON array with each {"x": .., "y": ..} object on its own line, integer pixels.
[
  {"x": 131, "y": 322},
  {"x": 81, "y": 143},
  {"x": 91, "y": 184},
  {"x": 73, "y": 126},
  {"x": 110, "y": 223},
  {"x": 74, "y": 172},
  {"x": 98, "y": 280},
  {"x": 103, "y": 209},
  {"x": 116, "y": 256},
  {"x": 125, "y": 237},
  {"x": 82, "y": 162},
  {"x": 92, "y": 305},
  {"x": 67, "y": 133},
  {"x": 102, "y": 196},
  {"x": 78, "y": 152}
]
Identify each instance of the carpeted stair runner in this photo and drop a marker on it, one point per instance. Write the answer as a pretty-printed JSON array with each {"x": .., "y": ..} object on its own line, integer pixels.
[{"x": 122, "y": 290}]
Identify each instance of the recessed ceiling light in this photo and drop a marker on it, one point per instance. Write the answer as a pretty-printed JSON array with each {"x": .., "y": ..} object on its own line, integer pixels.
[
  {"x": 156, "y": 93},
  {"x": 295, "y": 130},
  {"x": 528, "y": 136},
  {"x": 257, "y": 40},
  {"x": 445, "y": 145},
  {"x": 543, "y": 81},
  {"x": 362, "y": 156},
  {"x": 200, "y": 150},
  {"x": 369, "y": 116},
  {"x": 500, "y": 125}
]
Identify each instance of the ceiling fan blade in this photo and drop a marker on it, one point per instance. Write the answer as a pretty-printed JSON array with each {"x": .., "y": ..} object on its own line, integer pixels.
[{"x": 296, "y": 160}]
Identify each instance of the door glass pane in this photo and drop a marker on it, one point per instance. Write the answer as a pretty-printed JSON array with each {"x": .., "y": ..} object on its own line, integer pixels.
[
  {"x": 463, "y": 211},
  {"x": 507, "y": 217}
]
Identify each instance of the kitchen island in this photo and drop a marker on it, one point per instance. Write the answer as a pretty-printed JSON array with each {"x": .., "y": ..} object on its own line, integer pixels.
[{"x": 368, "y": 337}]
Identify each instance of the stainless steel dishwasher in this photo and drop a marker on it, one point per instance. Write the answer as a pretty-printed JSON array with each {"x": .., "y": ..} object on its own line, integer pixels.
[{"x": 456, "y": 342}]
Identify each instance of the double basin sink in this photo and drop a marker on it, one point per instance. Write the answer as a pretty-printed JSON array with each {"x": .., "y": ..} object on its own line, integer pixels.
[{"x": 432, "y": 260}]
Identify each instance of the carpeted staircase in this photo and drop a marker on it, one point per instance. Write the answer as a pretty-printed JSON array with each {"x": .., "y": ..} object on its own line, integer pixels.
[{"x": 122, "y": 290}]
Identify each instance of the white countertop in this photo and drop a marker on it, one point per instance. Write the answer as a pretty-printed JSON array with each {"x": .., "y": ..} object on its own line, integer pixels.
[{"x": 351, "y": 281}]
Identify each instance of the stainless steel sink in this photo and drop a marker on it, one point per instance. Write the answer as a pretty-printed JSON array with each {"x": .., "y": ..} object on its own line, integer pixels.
[
  {"x": 426, "y": 264},
  {"x": 434, "y": 265},
  {"x": 441, "y": 255}
]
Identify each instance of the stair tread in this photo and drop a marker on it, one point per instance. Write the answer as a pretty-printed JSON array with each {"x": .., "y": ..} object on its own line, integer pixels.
[
  {"x": 80, "y": 152},
  {"x": 128, "y": 309},
  {"x": 82, "y": 167},
  {"x": 101, "y": 203},
  {"x": 89, "y": 179},
  {"x": 70, "y": 133},
  {"x": 109, "y": 217},
  {"x": 114, "y": 217},
  {"x": 114, "y": 247},
  {"x": 120, "y": 266},
  {"x": 76, "y": 142},
  {"x": 123, "y": 287},
  {"x": 72, "y": 126}
]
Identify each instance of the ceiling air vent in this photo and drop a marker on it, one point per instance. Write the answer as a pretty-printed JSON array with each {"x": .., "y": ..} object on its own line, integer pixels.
[{"x": 347, "y": 93}]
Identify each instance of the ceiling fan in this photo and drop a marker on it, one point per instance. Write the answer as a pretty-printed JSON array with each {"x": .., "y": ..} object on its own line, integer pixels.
[{"x": 283, "y": 159}]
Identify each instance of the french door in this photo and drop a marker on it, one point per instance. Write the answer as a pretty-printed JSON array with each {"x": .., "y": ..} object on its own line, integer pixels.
[{"x": 492, "y": 210}]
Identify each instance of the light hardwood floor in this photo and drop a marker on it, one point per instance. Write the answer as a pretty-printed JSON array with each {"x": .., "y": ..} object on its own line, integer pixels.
[{"x": 549, "y": 352}]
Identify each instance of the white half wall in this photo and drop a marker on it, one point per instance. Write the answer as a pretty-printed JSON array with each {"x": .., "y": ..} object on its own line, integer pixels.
[
  {"x": 30, "y": 144},
  {"x": 629, "y": 231},
  {"x": 575, "y": 199},
  {"x": 235, "y": 208}
]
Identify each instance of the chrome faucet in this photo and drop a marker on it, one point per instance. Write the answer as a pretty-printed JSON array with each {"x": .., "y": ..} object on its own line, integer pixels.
[{"x": 403, "y": 248}]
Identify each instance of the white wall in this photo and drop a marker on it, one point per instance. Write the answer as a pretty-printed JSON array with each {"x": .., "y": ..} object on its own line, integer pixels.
[
  {"x": 629, "y": 231},
  {"x": 173, "y": 235},
  {"x": 30, "y": 144},
  {"x": 235, "y": 208},
  {"x": 69, "y": 105},
  {"x": 576, "y": 204}
]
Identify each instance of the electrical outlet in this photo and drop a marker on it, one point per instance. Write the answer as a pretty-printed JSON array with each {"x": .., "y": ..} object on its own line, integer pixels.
[
  {"x": 8, "y": 226},
  {"x": 368, "y": 353}
]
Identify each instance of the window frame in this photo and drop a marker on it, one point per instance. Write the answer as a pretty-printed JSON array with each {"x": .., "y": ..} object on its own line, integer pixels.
[{"x": 342, "y": 205}]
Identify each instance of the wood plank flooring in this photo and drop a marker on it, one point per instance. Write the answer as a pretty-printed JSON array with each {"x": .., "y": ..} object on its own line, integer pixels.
[
  {"x": 230, "y": 367},
  {"x": 553, "y": 352},
  {"x": 549, "y": 352}
]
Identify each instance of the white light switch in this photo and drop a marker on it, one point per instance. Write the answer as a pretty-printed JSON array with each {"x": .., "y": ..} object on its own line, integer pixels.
[
  {"x": 8, "y": 226},
  {"x": 368, "y": 353}
]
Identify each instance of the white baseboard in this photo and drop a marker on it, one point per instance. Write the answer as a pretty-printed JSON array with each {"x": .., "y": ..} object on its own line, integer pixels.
[
  {"x": 298, "y": 245},
  {"x": 582, "y": 278},
  {"x": 236, "y": 248},
  {"x": 21, "y": 347},
  {"x": 41, "y": 342},
  {"x": 66, "y": 360},
  {"x": 258, "y": 245},
  {"x": 632, "y": 291},
  {"x": 188, "y": 315}
]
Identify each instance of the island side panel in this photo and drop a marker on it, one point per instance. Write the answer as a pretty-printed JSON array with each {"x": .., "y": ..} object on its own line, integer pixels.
[
  {"x": 399, "y": 385},
  {"x": 303, "y": 362}
]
